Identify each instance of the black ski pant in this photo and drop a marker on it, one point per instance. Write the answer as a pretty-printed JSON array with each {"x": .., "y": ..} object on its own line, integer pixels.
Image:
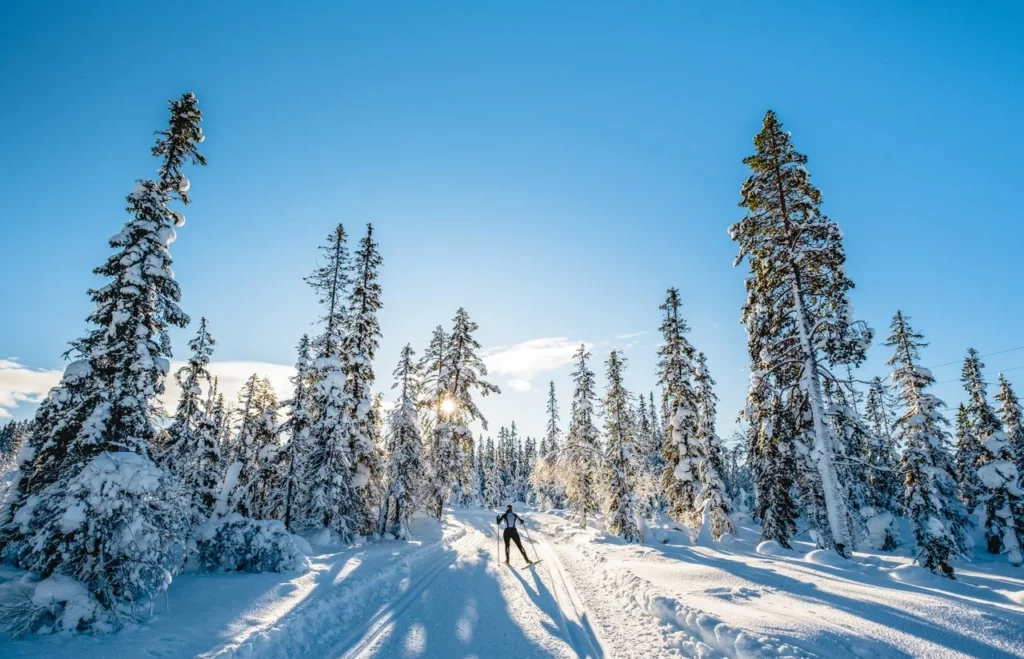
[{"x": 512, "y": 535}]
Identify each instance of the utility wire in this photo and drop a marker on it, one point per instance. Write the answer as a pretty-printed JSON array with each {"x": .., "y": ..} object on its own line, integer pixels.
[
  {"x": 960, "y": 361},
  {"x": 988, "y": 372}
]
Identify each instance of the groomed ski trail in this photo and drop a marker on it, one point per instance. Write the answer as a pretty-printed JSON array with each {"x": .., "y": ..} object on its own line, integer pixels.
[{"x": 474, "y": 606}]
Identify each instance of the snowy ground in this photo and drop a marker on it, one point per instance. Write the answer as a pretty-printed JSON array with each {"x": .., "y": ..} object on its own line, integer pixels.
[{"x": 444, "y": 595}]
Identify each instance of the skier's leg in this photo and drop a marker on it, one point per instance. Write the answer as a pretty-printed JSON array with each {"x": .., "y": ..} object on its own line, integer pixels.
[
  {"x": 508, "y": 539},
  {"x": 519, "y": 544}
]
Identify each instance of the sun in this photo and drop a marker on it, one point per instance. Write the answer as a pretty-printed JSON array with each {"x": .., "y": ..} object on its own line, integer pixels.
[{"x": 448, "y": 405}]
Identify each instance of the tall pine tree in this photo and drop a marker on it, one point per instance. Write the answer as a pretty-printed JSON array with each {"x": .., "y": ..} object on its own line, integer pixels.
[
  {"x": 294, "y": 494},
  {"x": 1013, "y": 421},
  {"x": 618, "y": 430},
  {"x": 579, "y": 459},
  {"x": 715, "y": 500},
  {"x": 330, "y": 466},
  {"x": 798, "y": 317},
  {"x": 681, "y": 448},
  {"x": 465, "y": 378},
  {"x": 938, "y": 518},
  {"x": 403, "y": 467},
  {"x": 193, "y": 453},
  {"x": 89, "y": 503},
  {"x": 999, "y": 497},
  {"x": 358, "y": 349}
]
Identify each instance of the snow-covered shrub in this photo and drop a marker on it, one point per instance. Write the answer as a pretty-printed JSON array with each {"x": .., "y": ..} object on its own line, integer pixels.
[
  {"x": 880, "y": 529},
  {"x": 240, "y": 544},
  {"x": 111, "y": 531},
  {"x": 57, "y": 603}
]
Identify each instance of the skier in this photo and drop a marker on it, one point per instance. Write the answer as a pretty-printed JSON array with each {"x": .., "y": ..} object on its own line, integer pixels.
[{"x": 511, "y": 534}]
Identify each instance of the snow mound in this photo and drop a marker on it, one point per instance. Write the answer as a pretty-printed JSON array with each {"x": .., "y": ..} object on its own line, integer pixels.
[
  {"x": 772, "y": 548},
  {"x": 916, "y": 575},
  {"x": 826, "y": 557}
]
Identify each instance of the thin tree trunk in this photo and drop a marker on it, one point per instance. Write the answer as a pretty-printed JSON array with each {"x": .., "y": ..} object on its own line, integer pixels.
[{"x": 835, "y": 505}]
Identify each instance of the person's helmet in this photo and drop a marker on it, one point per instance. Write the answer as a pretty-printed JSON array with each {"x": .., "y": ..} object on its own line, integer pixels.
[{"x": 509, "y": 507}]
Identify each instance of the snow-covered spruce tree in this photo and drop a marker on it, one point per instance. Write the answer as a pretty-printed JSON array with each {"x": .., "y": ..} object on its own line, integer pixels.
[
  {"x": 358, "y": 349},
  {"x": 853, "y": 439},
  {"x": 1013, "y": 421},
  {"x": 293, "y": 496},
  {"x": 578, "y": 462},
  {"x": 550, "y": 441},
  {"x": 12, "y": 436},
  {"x": 402, "y": 471},
  {"x": 715, "y": 502},
  {"x": 1000, "y": 500},
  {"x": 798, "y": 282},
  {"x": 442, "y": 455},
  {"x": 192, "y": 453},
  {"x": 773, "y": 468},
  {"x": 494, "y": 488},
  {"x": 884, "y": 477},
  {"x": 330, "y": 469},
  {"x": 976, "y": 423},
  {"x": 465, "y": 376},
  {"x": 937, "y": 516},
  {"x": 261, "y": 472},
  {"x": 618, "y": 430},
  {"x": 87, "y": 478},
  {"x": 681, "y": 448}
]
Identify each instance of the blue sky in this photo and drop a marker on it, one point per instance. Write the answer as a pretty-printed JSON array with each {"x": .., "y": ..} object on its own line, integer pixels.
[{"x": 552, "y": 167}]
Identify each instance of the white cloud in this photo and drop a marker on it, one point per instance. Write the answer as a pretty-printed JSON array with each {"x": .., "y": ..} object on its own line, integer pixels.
[
  {"x": 19, "y": 384},
  {"x": 631, "y": 335},
  {"x": 522, "y": 362}
]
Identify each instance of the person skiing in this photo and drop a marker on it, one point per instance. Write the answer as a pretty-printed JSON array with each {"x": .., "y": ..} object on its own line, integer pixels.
[{"x": 511, "y": 534}]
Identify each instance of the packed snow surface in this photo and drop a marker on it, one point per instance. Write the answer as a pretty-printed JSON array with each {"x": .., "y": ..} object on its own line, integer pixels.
[{"x": 444, "y": 594}]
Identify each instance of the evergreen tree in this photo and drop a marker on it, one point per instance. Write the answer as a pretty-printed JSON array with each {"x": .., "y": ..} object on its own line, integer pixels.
[
  {"x": 294, "y": 494},
  {"x": 330, "y": 467},
  {"x": 192, "y": 453},
  {"x": 358, "y": 349},
  {"x": 403, "y": 466},
  {"x": 716, "y": 505},
  {"x": 442, "y": 453},
  {"x": 938, "y": 518},
  {"x": 550, "y": 441},
  {"x": 884, "y": 476},
  {"x": 797, "y": 315},
  {"x": 465, "y": 374},
  {"x": 578, "y": 462},
  {"x": 681, "y": 448},
  {"x": 86, "y": 478},
  {"x": 999, "y": 494},
  {"x": 1013, "y": 421},
  {"x": 977, "y": 423},
  {"x": 618, "y": 429},
  {"x": 772, "y": 470},
  {"x": 12, "y": 436},
  {"x": 261, "y": 473}
]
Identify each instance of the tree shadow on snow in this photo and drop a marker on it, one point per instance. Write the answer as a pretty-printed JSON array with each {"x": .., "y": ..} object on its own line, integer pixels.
[{"x": 989, "y": 615}]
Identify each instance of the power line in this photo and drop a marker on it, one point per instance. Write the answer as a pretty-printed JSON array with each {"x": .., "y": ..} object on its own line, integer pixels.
[
  {"x": 997, "y": 352},
  {"x": 988, "y": 372}
]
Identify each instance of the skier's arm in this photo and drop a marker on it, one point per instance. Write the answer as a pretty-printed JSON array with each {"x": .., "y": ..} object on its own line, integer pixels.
[
  {"x": 520, "y": 519},
  {"x": 501, "y": 517}
]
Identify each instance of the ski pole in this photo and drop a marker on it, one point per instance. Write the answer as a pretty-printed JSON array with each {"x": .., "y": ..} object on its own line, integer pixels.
[{"x": 532, "y": 544}]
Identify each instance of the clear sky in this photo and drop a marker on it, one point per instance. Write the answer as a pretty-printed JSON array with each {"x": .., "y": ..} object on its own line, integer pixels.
[{"x": 551, "y": 166}]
